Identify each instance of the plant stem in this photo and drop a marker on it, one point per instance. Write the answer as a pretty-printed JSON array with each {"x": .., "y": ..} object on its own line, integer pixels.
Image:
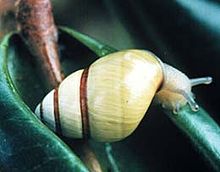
[
  {"x": 203, "y": 131},
  {"x": 36, "y": 24},
  {"x": 37, "y": 28},
  {"x": 112, "y": 161}
]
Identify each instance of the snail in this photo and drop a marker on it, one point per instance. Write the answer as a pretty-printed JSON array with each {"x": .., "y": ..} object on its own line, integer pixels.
[{"x": 107, "y": 100}]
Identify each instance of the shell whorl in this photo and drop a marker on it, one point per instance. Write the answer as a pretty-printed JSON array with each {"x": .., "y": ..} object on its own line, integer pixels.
[
  {"x": 106, "y": 101},
  {"x": 68, "y": 96}
]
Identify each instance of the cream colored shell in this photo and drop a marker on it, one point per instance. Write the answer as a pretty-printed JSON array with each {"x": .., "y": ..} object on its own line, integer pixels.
[
  {"x": 69, "y": 107},
  {"x": 120, "y": 88}
]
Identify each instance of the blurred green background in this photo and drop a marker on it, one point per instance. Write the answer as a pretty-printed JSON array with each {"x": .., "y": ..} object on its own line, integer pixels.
[{"x": 183, "y": 33}]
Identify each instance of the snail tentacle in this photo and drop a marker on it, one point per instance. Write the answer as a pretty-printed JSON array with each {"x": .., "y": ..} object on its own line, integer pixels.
[
  {"x": 199, "y": 81},
  {"x": 190, "y": 99}
]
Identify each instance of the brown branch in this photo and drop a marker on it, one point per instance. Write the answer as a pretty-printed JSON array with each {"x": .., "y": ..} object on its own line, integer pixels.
[
  {"x": 83, "y": 149},
  {"x": 36, "y": 24},
  {"x": 89, "y": 156}
]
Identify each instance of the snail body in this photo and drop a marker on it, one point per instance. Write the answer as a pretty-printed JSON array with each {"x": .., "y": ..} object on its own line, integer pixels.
[{"x": 108, "y": 100}]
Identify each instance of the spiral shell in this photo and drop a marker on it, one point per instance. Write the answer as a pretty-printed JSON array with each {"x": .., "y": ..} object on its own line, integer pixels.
[{"x": 105, "y": 101}]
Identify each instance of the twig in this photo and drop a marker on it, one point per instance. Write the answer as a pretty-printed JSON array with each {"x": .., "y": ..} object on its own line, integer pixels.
[
  {"x": 37, "y": 28},
  {"x": 83, "y": 148}
]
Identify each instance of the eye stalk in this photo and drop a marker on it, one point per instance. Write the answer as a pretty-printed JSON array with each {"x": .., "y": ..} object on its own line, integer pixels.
[
  {"x": 194, "y": 82},
  {"x": 199, "y": 81}
]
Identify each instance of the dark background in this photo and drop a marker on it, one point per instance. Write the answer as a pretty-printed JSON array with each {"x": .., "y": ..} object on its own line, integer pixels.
[{"x": 183, "y": 33}]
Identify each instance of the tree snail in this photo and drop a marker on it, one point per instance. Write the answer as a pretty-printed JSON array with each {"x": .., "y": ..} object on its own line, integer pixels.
[{"x": 108, "y": 100}]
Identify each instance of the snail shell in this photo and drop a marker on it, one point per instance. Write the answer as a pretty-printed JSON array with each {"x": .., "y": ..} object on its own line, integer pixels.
[
  {"x": 108, "y": 100},
  {"x": 105, "y": 101}
]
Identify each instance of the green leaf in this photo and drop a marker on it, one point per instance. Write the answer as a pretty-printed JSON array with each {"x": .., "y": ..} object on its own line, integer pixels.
[
  {"x": 203, "y": 131},
  {"x": 25, "y": 144},
  {"x": 100, "y": 49}
]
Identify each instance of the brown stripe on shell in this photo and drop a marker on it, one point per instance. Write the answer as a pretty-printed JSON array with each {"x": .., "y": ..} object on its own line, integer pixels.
[
  {"x": 41, "y": 113},
  {"x": 56, "y": 113},
  {"x": 83, "y": 104}
]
